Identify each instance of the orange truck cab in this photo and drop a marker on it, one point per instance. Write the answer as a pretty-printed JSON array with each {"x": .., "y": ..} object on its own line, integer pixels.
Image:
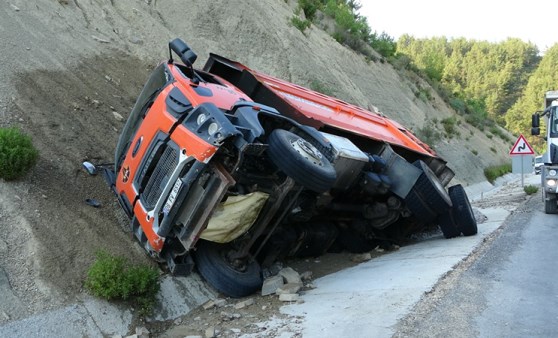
[{"x": 231, "y": 170}]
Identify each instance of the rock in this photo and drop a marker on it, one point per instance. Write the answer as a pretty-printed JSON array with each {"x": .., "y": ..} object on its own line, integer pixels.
[
  {"x": 244, "y": 303},
  {"x": 14, "y": 7},
  {"x": 363, "y": 257},
  {"x": 142, "y": 332},
  {"x": 306, "y": 275},
  {"x": 271, "y": 284},
  {"x": 289, "y": 288},
  {"x": 117, "y": 336},
  {"x": 378, "y": 249},
  {"x": 226, "y": 316},
  {"x": 237, "y": 331},
  {"x": 210, "y": 332},
  {"x": 209, "y": 305},
  {"x": 220, "y": 302},
  {"x": 193, "y": 337},
  {"x": 289, "y": 297},
  {"x": 290, "y": 275},
  {"x": 118, "y": 116},
  {"x": 214, "y": 303}
]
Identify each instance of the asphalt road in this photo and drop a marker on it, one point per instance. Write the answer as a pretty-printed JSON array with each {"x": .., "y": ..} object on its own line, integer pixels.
[{"x": 508, "y": 290}]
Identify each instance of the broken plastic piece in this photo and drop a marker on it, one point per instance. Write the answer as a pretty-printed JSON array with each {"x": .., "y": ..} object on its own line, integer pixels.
[
  {"x": 93, "y": 202},
  {"x": 90, "y": 168}
]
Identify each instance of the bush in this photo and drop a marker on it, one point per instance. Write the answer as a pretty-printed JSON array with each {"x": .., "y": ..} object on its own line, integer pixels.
[
  {"x": 530, "y": 189},
  {"x": 493, "y": 172},
  {"x": 17, "y": 154},
  {"x": 112, "y": 278},
  {"x": 300, "y": 24},
  {"x": 310, "y": 7},
  {"x": 449, "y": 126}
]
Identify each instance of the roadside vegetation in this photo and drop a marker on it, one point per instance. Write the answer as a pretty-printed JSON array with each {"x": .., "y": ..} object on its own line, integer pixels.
[
  {"x": 530, "y": 189},
  {"x": 17, "y": 154},
  {"x": 350, "y": 28},
  {"x": 493, "y": 172},
  {"x": 114, "y": 278}
]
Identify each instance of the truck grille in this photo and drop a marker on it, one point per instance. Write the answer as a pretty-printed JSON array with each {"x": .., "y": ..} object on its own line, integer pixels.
[{"x": 159, "y": 172}]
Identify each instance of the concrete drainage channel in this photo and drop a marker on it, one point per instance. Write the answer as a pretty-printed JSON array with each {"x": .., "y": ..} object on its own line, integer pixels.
[{"x": 369, "y": 297}]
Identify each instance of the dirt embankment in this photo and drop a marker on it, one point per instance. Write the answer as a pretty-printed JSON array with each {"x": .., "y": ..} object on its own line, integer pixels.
[{"x": 69, "y": 65}]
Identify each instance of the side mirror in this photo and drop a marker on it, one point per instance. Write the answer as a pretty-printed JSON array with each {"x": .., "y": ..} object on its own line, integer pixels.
[
  {"x": 535, "y": 131},
  {"x": 535, "y": 122},
  {"x": 183, "y": 51}
]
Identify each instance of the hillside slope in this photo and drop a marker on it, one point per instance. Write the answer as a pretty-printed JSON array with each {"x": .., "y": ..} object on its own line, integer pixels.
[{"x": 69, "y": 66}]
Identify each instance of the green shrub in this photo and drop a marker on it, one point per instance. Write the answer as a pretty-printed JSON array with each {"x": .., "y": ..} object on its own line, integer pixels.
[
  {"x": 114, "y": 278},
  {"x": 493, "y": 172},
  {"x": 530, "y": 189},
  {"x": 300, "y": 24},
  {"x": 310, "y": 7},
  {"x": 475, "y": 152},
  {"x": 429, "y": 134},
  {"x": 449, "y": 125},
  {"x": 17, "y": 154}
]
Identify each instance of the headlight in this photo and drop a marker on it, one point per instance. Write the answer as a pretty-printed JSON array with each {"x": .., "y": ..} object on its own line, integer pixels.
[
  {"x": 551, "y": 183},
  {"x": 212, "y": 128},
  {"x": 552, "y": 172},
  {"x": 201, "y": 119}
]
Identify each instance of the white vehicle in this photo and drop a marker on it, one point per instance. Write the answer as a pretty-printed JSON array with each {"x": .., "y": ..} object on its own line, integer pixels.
[{"x": 549, "y": 166}]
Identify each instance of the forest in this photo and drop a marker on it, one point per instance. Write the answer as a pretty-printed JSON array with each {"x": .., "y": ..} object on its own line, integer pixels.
[{"x": 489, "y": 83}]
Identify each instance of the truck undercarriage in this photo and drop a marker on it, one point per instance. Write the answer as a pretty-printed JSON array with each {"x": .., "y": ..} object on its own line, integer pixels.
[{"x": 238, "y": 170}]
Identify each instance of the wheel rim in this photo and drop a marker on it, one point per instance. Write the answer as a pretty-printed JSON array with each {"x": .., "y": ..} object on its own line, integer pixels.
[{"x": 308, "y": 151}]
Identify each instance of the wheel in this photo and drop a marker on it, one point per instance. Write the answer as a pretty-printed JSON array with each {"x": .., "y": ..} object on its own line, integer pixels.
[
  {"x": 448, "y": 225},
  {"x": 212, "y": 263},
  {"x": 462, "y": 211},
  {"x": 550, "y": 206},
  {"x": 428, "y": 198},
  {"x": 300, "y": 160}
]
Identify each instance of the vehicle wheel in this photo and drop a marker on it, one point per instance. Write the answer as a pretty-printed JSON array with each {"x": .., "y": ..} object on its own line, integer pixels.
[
  {"x": 216, "y": 269},
  {"x": 462, "y": 211},
  {"x": 428, "y": 198},
  {"x": 301, "y": 161},
  {"x": 550, "y": 206},
  {"x": 448, "y": 225}
]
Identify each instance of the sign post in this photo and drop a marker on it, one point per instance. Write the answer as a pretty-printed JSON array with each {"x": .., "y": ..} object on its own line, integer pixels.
[{"x": 522, "y": 148}]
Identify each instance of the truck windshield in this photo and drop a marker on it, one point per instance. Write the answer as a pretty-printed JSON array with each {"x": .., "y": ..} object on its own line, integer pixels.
[{"x": 554, "y": 122}]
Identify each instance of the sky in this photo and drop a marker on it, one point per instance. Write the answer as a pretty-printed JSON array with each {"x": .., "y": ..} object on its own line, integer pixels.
[{"x": 491, "y": 20}]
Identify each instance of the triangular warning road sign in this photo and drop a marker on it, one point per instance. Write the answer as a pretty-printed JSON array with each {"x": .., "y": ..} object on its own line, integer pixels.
[{"x": 521, "y": 147}]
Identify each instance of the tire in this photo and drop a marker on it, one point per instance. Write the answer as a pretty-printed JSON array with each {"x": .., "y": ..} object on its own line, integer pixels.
[
  {"x": 448, "y": 225},
  {"x": 550, "y": 206},
  {"x": 428, "y": 198},
  {"x": 301, "y": 161},
  {"x": 462, "y": 211},
  {"x": 212, "y": 264}
]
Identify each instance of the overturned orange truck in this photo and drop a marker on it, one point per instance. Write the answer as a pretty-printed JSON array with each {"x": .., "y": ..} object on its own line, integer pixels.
[{"x": 231, "y": 170}]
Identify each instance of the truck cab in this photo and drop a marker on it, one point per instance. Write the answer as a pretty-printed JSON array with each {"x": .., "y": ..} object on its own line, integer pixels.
[{"x": 549, "y": 166}]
